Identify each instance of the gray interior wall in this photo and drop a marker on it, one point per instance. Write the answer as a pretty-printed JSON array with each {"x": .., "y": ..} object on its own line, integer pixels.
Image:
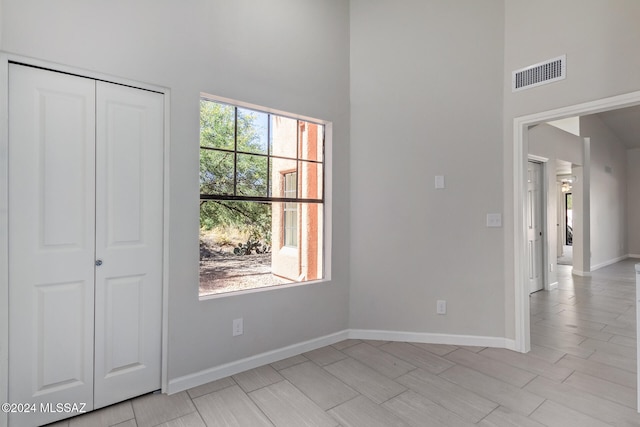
[
  {"x": 597, "y": 39},
  {"x": 426, "y": 100},
  {"x": 608, "y": 192},
  {"x": 633, "y": 202},
  {"x": 291, "y": 55}
]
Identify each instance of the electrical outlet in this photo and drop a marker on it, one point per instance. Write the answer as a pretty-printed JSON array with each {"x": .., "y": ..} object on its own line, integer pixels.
[
  {"x": 238, "y": 328},
  {"x": 441, "y": 306}
]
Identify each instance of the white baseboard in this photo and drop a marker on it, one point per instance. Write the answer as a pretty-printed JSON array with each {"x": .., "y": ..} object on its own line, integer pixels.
[
  {"x": 217, "y": 372},
  {"x": 553, "y": 286},
  {"x": 634, "y": 255},
  {"x": 609, "y": 262},
  {"x": 202, "y": 377}
]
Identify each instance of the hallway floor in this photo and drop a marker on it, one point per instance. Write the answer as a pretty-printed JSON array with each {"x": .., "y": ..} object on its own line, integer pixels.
[{"x": 580, "y": 372}]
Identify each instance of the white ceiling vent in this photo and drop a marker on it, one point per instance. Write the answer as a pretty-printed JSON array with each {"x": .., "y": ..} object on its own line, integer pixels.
[{"x": 539, "y": 74}]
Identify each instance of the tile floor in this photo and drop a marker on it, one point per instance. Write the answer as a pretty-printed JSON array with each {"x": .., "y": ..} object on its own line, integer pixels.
[{"x": 580, "y": 372}]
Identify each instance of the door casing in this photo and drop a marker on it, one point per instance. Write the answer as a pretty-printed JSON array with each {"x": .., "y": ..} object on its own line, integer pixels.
[
  {"x": 522, "y": 338},
  {"x": 5, "y": 59}
]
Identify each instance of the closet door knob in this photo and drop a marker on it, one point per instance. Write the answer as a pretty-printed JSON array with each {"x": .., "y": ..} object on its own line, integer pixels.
[{"x": 98, "y": 262}]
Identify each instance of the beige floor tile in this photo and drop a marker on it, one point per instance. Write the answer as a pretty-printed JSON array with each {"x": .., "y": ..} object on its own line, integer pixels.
[
  {"x": 106, "y": 417},
  {"x": 383, "y": 362},
  {"x": 567, "y": 338},
  {"x": 503, "y": 417},
  {"x": 548, "y": 354},
  {"x": 625, "y": 341},
  {"x": 438, "y": 349},
  {"x": 605, "y": 389},
  {"x": 599, "y": 370},
  {"x": 365, "y": 380},
  {"x": 286, "y": 406},
  {"x": 417, "y": 411},
  {"x": 622, "y": 362},
  {"x": 154, "y": 409},
  {"x": 319, "y": 385},
  {"x": 417, "y": 357},
  {"x": 345, "y": 344},
  {"x": 572, "y": 329},
  {"x": 528, "y": 363},
  {"x": 375, "y": 343},
  {"x": 325, "y": 355},
  {"x": 466, "y": 404},
  {"x": 509, "y": 396},
  {"x": 191, "y": 420},
  {"x": 472, "y": 348},
  {"x": 583, "y": 402},
  {"x": 362, "y": 412},
  {"x": 132, "y": 423},
  {"x": 230, "y": 407},
  {"x": 555, "y": 415},
  {"x": 610, "y": 348},
  {"x": 257, "y": 378},
  {"x": 211, "y": 387},
  {"x": 496, "y": 369},
  {"x": 556, "y": 343},
  {"x": 290, "y": 361}
]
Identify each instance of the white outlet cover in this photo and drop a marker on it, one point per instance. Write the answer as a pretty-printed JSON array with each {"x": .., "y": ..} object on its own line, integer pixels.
[
  {"x": 494, "y": 220},
  {"x": 238, "y": 328}
]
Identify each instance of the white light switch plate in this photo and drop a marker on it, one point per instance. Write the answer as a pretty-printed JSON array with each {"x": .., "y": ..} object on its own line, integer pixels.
[{"x": 439, "y": 182}]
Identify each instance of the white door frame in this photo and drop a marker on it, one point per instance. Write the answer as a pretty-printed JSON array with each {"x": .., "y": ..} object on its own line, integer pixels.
[
  {"x": 5, "y": 59},
  {"x": 520, "y": 159}
]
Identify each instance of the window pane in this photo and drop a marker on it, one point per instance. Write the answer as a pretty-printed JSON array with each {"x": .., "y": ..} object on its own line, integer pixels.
[
  {"x": 252, "y": 131},
  {"x": 216, "y": 172},
  {"x": 310, "y": 180},
  {"x": 311, "y": 138},
  {"x": 251, "y": 175},
  {"x": 297, "y": 242},
  {"x": 280, "y": 167},
  {"x": 217, "y": 125},
  {"x": 284, "y": 134}
]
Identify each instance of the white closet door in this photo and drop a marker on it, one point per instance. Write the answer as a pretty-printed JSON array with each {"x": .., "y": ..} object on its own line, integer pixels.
[
  {"x": 129, "y": 209},
  {"x": 51, "y": 240}
]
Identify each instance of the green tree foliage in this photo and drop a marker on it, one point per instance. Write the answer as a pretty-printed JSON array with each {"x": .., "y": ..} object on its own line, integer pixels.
[{"x": 219, "y": 168}]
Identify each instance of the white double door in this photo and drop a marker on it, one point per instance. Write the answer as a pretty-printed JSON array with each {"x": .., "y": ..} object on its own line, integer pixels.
[{"x": 85, "y": 242}]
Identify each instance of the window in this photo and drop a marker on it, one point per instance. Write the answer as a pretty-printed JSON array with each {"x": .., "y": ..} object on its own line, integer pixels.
[{"x": 261, "y": 198}]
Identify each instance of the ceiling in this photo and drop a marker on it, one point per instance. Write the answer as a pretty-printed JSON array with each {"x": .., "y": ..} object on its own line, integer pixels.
[{"x": 625, "y": 123}]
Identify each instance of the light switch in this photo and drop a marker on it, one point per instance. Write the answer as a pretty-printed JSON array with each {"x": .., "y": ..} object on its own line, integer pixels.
[
  {"x": 494, "y": 220},
  {"x": 439, "y": 182}
]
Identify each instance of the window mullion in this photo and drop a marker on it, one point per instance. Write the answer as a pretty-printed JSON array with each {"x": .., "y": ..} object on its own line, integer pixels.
[{"x": 235, "y": 151}]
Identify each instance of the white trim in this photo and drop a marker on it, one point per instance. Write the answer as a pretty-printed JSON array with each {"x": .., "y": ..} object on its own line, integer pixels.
[
  {"x": 520, "y": 150},
  {"x": 606, "y": 263},
  {"x": 4, "y": 234},
  {"x": 196, "y": 379},
  {"x": 553, "y": 286},
  {"x": 186, "y": 382},
  {"x": 633, "y": 256},
  {"x": 5, "y": 59}
]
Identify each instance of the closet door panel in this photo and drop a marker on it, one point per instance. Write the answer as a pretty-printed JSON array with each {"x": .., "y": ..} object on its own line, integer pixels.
[
  {"x": 51, "y": 240},
  {"x": 129, "y": 208}
]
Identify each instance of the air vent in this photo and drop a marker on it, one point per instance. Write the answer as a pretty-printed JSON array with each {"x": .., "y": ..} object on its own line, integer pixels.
[{"x": 539, "y": 74}]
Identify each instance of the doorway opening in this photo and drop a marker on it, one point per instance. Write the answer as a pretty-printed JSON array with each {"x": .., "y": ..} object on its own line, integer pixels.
[{"x": 521, "y": 145}]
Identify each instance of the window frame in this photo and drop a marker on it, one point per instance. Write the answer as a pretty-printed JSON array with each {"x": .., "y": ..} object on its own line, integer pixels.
[
  {"x": 297, "y": 159},
  {"x": 325, "y": 201}
]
